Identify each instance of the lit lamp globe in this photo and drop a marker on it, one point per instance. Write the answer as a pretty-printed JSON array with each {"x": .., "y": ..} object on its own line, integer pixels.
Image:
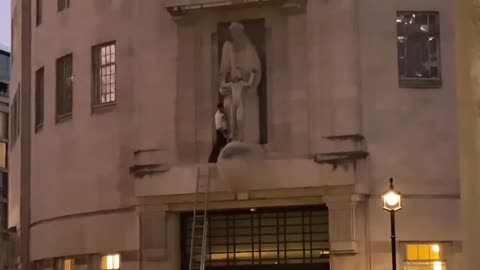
[{"x": 392, "y": 200}]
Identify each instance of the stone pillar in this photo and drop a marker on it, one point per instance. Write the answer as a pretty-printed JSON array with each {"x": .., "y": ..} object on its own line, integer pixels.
[
  {"x": 153, "y": 231},
  {"x": 468, "y": 90},
  {"x": 159, "y": 238},
  {"x": 346, "y": 231}
]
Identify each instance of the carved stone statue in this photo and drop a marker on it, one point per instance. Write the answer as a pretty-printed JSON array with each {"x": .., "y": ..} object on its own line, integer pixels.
[
  {"x": 240, "y": 76},
  {"x": 234, "y": 92}
]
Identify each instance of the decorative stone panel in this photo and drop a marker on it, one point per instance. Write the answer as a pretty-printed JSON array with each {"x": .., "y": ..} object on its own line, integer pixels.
[{"x": 342, "y": 223}]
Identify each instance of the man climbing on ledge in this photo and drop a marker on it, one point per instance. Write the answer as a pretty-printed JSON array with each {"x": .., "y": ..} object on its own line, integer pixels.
[{"x": 221, "y": 137}]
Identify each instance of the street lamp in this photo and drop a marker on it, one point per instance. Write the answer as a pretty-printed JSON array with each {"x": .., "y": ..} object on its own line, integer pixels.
[{"x": 392, "y": 202}]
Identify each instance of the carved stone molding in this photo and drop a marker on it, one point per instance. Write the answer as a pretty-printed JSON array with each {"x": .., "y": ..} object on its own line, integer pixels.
[
  {"x": 180, "y": 15},
  {"x": 149, "y": 162},
  {"x": 342, "y": 222}
]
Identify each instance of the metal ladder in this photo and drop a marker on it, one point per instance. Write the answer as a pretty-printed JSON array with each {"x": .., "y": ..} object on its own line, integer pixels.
[{"x": 198, "y": 240}]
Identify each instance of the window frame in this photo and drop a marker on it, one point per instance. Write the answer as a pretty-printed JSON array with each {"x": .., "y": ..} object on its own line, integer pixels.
[
  {"x": 97, "y": 104},
  {"x": 39, "y": 98},
  {"x": 422, "y": 83},
  {"x": 64, "y": 99}
]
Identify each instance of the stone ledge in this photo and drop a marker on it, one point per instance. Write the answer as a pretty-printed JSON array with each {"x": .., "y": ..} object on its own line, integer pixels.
[{"x": 344, "y": 247}]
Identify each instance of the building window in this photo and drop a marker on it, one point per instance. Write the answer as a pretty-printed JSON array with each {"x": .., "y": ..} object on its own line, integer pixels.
[
  {"x": 3, "y": 155},
  {"x": 64, "y": 95},
  {"x": 62, "y": 264},
  {"x": 62, "y": 4},
  {"x": 3, "y": 200},
  {"x": 3, "y": 89},
  {"x": 3, "y": 126},
  {"x": 104, "y": 74},
  {"x": 4, "y": 72},
  {"x": 262, "y": 236},
  {"x": 110, "y": 262},
  {"x": 418, "y": 43},
  {"x": 39, "y": 12},
  {"x": 3, "y": 187},
  {"x": 15, "y": 114},
  {"x": 39, "y": 92},
  {"x": 424, "y": 256},
  {"x": 3, "y": 216}
]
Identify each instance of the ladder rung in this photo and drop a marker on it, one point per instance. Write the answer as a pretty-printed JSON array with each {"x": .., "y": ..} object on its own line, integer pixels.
[{"x": 199, "y": 221}]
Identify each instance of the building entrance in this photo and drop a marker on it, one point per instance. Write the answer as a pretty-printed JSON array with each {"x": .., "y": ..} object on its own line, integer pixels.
[{"x": 263, "y": 239}]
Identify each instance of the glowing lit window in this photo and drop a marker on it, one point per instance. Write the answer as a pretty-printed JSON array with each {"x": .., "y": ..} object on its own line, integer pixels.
[
  {"x": 68, "y": 264},
  {"x": 62, "y": 264},
  {"x": 111, "y": 262},
  {"x": 428, "y": 256}
]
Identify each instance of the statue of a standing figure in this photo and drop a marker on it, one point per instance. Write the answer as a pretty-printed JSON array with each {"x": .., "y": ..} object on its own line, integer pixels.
[{"x": 241, "y": 73}]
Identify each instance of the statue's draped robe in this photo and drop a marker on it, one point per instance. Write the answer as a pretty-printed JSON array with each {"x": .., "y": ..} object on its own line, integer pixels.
[{"x": 247, "y": 59}]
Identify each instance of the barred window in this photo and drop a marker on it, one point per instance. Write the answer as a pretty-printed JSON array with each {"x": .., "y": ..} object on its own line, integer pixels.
[
  {"x": 418, "y": 42},
  {"x": 39, "y": 92},
  {"x": 104, "y": 74},
  {"x": 62, "y": 4},
  {"x": 64, "y": 87},
  {"x": 263, "y": 236}
]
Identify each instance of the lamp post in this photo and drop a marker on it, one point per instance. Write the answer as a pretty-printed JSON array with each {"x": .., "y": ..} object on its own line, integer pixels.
[{"x": 392, "y": 202}]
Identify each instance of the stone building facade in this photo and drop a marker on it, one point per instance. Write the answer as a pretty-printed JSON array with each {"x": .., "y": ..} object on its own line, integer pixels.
[
  {"x": 112, "y": 125},
  {"x": 4, "y": 82}
]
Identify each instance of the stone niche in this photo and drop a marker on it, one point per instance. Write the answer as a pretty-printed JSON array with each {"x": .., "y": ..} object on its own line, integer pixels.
[{"x": 207, "y": 64}]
